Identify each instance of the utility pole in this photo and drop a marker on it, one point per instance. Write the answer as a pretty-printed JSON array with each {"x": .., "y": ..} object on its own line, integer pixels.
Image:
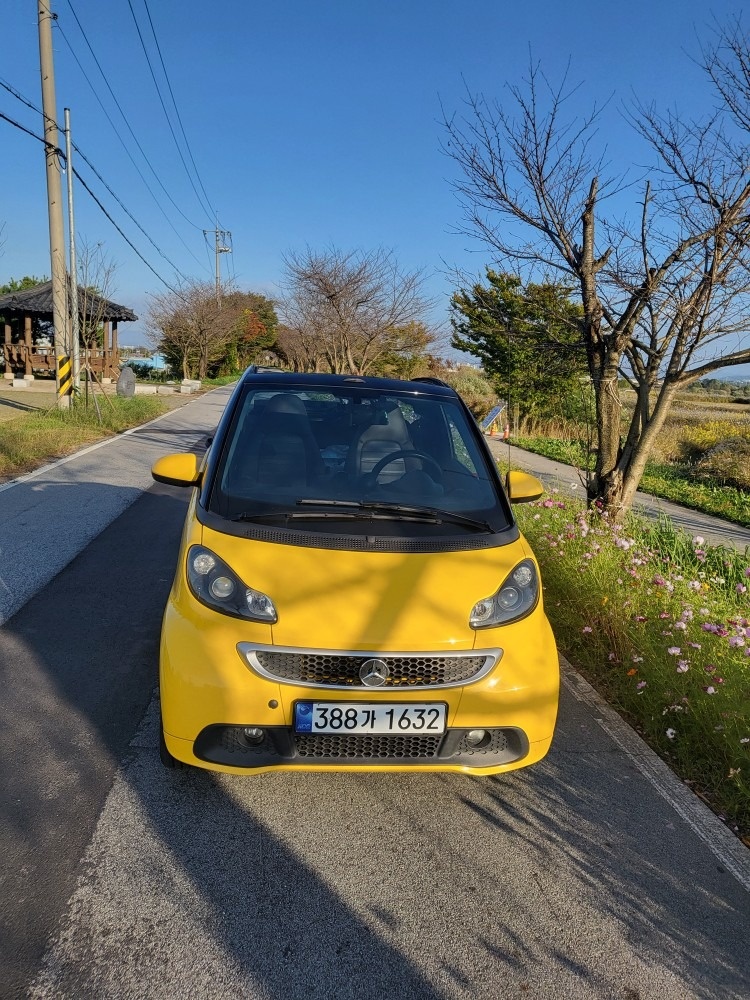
[
  {"x": 74, "y": 317},
  {"x": 55, "y": 206},
  {"x": 222, "y": 239}
]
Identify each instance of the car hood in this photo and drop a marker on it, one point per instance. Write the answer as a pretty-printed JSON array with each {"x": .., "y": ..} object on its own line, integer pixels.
[{"x": 336, "y": 599}]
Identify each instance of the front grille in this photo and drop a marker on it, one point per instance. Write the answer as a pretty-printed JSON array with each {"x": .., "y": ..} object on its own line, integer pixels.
[
  {"x": 341, "y": 747},
  {"x": 342, "y": 670}
]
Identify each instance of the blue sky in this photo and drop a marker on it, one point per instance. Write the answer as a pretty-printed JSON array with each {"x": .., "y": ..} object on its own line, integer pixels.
[{"x": 309, "y": 123}]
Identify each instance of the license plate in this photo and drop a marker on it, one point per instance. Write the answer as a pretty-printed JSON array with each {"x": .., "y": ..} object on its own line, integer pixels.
[{"x": 360, "y": 719}]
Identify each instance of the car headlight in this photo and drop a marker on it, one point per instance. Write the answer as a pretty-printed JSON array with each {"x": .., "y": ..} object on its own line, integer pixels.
[
  {"x": 219, "y": 587},
  {"x": 516, "y": 598}
]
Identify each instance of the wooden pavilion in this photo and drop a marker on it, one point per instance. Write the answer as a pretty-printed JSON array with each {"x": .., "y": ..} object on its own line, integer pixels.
[{"x": 28, "y": 346}]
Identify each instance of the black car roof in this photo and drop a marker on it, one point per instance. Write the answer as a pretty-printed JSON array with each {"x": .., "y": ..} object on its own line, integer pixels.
[{"x": 311, "y": 380}]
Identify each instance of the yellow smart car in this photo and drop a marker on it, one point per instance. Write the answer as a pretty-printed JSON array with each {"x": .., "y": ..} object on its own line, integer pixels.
[{"x": 352, "y": 590}]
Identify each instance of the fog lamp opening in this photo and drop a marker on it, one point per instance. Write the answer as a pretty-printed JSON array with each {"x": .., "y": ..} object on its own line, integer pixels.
[
  {"x": 478, "y": 739},
  {"x": 253, "y": 735}
]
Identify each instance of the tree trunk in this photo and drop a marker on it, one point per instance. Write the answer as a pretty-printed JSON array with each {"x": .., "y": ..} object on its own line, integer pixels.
[{"x": 633, "y": 471}]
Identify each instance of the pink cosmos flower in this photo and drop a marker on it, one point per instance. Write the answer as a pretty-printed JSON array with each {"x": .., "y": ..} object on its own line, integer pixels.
[
  {"x": 640, "y": 685},
  {"x": 710, "y": 689},
  {"x": 587, "y": 628},
  {"x": 674, "y": 650},
  {"x": 682, "y": 666},
  {"x": 741, "y": 588}
]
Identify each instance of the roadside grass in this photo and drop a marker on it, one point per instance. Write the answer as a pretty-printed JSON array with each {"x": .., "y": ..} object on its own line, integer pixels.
[
  {"x": 215, "y": 383},
  {"x": 670, "y": 481},
  {"x": 658, "y": 623},
  {"x": 29, "y": 441}
]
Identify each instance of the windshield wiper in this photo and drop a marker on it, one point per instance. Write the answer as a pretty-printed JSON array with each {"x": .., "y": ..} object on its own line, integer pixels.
[
  {"x": 344, "y": 515},
  {"x": 396, "y": 508}
]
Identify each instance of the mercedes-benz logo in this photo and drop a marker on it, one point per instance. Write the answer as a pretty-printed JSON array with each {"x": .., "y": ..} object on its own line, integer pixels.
[{"x": 374, "y": 673}]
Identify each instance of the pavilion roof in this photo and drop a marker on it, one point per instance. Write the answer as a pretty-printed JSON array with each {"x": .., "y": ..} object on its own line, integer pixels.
[{"x": 37, "y": 301}]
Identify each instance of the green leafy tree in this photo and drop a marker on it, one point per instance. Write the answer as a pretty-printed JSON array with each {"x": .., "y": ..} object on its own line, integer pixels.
[
  {"x": 526, "y": 337},
  {"x": 202, "y": 335},
  {"x": 21, "y": 284}
]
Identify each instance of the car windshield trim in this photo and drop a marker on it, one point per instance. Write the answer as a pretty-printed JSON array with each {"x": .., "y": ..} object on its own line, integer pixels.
[{"x": 399, "y": 508}]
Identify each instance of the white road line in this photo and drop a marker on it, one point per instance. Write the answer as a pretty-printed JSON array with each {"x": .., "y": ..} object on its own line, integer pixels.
[{"x": 722, "y": 843}]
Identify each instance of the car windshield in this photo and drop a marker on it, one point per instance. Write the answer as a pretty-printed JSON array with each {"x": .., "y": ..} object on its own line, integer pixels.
[{"x": 355, "y": 459}]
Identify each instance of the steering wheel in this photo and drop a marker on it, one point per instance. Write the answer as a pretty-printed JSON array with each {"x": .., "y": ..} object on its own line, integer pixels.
[{"x": 394, "y": 456}]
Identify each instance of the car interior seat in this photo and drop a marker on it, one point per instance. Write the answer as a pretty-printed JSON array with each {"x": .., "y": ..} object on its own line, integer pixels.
[
  {"x": 277, "y": 448},
  {"x": 386, "y": 433}
]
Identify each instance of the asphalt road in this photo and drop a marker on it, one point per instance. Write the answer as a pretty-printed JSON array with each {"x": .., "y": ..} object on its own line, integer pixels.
[{"x": 592, "y": 875}]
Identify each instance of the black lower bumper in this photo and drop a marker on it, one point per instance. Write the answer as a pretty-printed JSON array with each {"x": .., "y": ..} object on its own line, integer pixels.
[{"x": 229, "y": 745}]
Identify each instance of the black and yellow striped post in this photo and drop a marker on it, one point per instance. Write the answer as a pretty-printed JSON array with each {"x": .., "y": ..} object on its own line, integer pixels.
[{"x": 64, "y": 379}]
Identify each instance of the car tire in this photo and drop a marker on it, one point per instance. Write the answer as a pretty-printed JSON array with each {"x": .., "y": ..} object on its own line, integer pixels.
[{"x": 165, "y": 756}]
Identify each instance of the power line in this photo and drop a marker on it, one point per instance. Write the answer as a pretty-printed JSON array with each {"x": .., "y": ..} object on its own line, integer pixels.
[
  {"x": 204, "y": 204},
  {"x": 91, "y": 166},
  {"x": 130, "y": 155},
  {"x": 130, "y": 244},
  {"x": 59, "y": 152},
  {"x": 177, "y": 110},
  {"x": 119, "y": 108}
]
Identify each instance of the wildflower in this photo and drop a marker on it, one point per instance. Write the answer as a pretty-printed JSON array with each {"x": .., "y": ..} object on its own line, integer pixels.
[
  {"x": 694, "y": 585},
  {"x": 640, "y": 618},
  {"x": 674, "y": 650},
  {"x": 632, "y": 672},
  {"x": 680, "y": 625},
  {"x": 710, "y": 689},
  {"x": 733, "y": 772},
  {"x": 747, "y": 571},
  {"x": 664, "y": 614},
  {"x": 699, "y": 540},
  {"x": 641, "y": 685},
  {"x": 736, "y": 641},
  {"x": 659, "y": 581},
  {"x": 695, "y": 645},
  {"x": 671, "y": 733},
  {"x": 612, "y": 656},
  {"x": 682, "y": 666},
  {"x": 741, "y": 588},
  {"x": 745, "y": 739},
  {"x": 587, "y": 628},
  {"x": 637, "y": 659}
]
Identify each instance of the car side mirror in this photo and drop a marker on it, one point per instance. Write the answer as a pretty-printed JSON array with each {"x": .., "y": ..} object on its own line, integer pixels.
[
  {"x": 522, "y": 488},
  {"x": 177, "y": 470}
]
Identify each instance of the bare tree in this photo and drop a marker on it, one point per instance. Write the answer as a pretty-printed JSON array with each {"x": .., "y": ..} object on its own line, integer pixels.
[
  {"x": 96, "y": 271},
  {"x": 346, "y": 310},
  {"x": 662, "y": 293},
  {"x": 191, "y": 326}
]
